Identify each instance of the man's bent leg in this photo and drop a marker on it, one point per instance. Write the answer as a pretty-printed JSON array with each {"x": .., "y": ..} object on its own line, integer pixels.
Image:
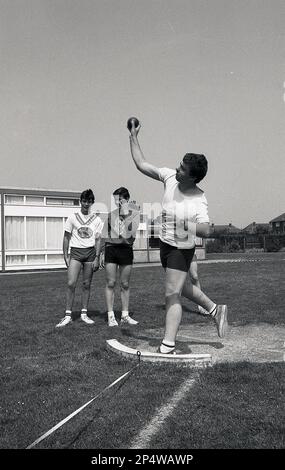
[
  {"x": 218, "y": 312},
  {"x": 195, "y": 294}
]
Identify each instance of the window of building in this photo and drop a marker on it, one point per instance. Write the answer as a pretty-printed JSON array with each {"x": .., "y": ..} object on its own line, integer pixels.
[
  {"x": 35, "y": 259},
  {"x": 15, "y": 259},
  {"x": 140, "y": 243},
  {"x": 35, "y": 233},
  {"x": 199, "y": 241},
  {"x": 35, "y": 200},
  {"x": 14, "y": 199},
  {"x": 55, "y": 259},
  {"x": 55, "y": 201},
  {"x": 14, "y": 232},
  {"x": 54, "y": 232}
]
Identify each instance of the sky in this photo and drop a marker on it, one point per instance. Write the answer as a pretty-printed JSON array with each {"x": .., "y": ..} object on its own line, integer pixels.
[{"x": 204, "y": 76}]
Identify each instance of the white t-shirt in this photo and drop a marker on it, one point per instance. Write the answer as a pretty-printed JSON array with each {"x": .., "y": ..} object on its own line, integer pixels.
[
  {"x": 84, "y": 229},
  {"x": 178, "y": 209}
]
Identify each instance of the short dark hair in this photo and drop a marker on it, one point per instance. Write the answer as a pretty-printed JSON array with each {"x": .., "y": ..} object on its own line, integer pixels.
[
  {"x": 197, "y": 164},
  {"x": 122, "y": 192},
  {"x": 88, "y": 195}
]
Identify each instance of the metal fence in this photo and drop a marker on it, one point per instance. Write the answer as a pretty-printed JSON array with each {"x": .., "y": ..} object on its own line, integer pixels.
[{"x": 246, "y": 242}]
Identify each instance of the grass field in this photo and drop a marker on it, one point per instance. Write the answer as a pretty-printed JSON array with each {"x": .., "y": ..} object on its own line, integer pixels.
[{"x": 47, "y": 374}]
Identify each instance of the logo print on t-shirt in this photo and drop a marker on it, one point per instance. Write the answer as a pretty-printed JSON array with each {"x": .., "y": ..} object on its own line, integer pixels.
[{"x": 85, "y": 232}]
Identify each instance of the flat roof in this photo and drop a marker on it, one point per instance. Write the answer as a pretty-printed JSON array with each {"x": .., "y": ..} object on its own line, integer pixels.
[{"x": 17, "y": 190}]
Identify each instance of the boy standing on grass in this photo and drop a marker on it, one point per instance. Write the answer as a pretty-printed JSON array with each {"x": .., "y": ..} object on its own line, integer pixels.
[
  {"x": 120, "y": 232},
  {"x": 82, "y": 233},
  {"x": 184, "y": 216}
]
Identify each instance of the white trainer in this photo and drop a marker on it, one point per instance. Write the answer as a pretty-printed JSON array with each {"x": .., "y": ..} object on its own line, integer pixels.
[
  {"x": 221, "y": 320},
  {"x": 67, "y": 319},
  {"x": 86, "y": 319},
  {"x": 112, "y": 321},
  {"x": 127, "y": 319},
  {"x": 202, "y": 310}
]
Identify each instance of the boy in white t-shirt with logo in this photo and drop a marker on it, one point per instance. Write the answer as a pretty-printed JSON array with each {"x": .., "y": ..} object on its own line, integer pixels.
[
  {"x": 82, "y": 234},
  {"x": 184, "y": 216}
]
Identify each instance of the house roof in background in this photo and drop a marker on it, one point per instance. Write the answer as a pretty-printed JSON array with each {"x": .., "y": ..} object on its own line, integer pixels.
[{"x": 280, "y": 218}]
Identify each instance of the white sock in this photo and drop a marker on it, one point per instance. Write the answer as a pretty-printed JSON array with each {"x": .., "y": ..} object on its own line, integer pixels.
[
  {"x": 125, "y": 313},
  {"x": 111, "y": 314},
  {"x": 68, "y": 313},
  {"x": 166, "y": 347},
  {"x": 84, "y": 311},
  {"x": 213, "y": 310}
]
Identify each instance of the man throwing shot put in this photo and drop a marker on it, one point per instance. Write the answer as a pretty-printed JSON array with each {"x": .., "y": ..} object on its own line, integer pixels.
[{"x": 184, "y": 216}]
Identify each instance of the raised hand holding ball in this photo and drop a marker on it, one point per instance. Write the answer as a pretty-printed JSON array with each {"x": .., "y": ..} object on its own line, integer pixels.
[{"x": 132, "y": 120}]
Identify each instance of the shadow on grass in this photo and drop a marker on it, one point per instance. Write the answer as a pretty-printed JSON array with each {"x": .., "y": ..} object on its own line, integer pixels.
[
  {"x": 154, "y": 341},
  {"x": 159, "y": 306},
  {"x": 213, "y": 344}
]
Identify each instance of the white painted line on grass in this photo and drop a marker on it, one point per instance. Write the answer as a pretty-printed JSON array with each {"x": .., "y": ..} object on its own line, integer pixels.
[
  {"x": 143, "y": 439},
  {"x": 142, "y": 265}
]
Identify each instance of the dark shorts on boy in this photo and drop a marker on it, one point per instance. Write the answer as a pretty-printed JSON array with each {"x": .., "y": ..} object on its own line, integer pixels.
[
  {"x": 120, "y": 254},
  {"x": 84, "y": 255},
  {"x": 175, "y": 258}
]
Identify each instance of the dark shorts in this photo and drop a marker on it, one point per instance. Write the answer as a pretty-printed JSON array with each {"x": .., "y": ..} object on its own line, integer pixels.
[
  {"x": 175, "y": 258},
  {"x": 119, "y": 254},
  {"x": 84, "y": 255}
]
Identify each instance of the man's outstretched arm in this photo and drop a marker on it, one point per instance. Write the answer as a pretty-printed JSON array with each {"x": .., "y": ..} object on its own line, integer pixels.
[{"x": 142, "y": 165}]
